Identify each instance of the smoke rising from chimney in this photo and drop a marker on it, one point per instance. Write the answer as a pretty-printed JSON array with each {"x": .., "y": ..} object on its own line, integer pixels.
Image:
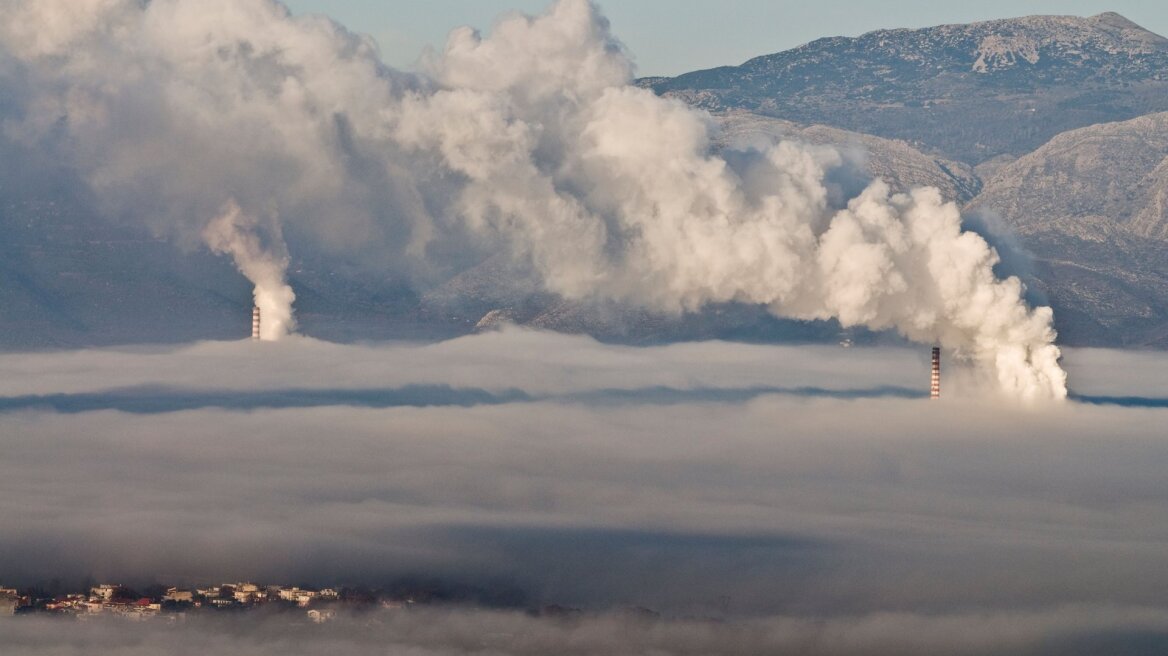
[
  {"x": 234, "y": 233},
  {"x": 532, "y": 140}
]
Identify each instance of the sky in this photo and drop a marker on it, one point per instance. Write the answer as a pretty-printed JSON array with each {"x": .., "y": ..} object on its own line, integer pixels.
[{"x": 668, "y": 37}]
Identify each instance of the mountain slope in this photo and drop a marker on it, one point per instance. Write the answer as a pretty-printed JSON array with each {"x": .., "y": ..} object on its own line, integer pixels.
[
  {"x": 968, "y": 92},
  {"x": 896, "y": 162},
  {"x": 1090, "y": 204},
  {"x": 1114, "y": 170}
]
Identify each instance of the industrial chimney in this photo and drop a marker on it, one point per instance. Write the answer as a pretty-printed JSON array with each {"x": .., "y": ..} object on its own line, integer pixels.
[
  {"x": 935, "y": 381},
  {"x": 255, "y": 322}
]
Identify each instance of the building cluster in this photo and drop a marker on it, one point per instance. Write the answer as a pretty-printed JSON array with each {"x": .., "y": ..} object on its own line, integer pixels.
[{"x": 116, "y": 600}]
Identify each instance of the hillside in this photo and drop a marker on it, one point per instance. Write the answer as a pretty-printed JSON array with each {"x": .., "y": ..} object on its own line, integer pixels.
[
  {"x": 896, "y": 162},
  {"x": 1114, "y": 170},
  {"x": 1090, "y": 205},
  {"x": 966, "y": 92}
]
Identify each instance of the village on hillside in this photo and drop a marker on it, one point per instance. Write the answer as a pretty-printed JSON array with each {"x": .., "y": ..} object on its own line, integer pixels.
[{"x": 173, "y": 603}]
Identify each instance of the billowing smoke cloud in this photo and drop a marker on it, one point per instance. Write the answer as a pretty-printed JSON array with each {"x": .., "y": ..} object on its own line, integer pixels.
[
  {"x": 530, "y": 140},
  {"x": 234, "y": 233}
]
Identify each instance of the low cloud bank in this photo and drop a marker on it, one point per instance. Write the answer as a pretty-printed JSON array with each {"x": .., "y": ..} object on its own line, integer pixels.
[
  {"x": 779, "y": 503},
  {"x": 536, "y": 362},
  {"x": 586, "y": 488},
  {"x": 1066, "y": 631}
]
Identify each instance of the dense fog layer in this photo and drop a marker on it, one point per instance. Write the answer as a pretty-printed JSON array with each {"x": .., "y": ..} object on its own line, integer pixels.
[
  {"x": 1067, "y": 631},
  {"x": 562, "y": 470}
]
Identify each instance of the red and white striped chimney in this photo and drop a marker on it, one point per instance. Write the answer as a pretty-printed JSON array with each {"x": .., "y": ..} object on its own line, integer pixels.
[
  {"x": 935, "y": 381},
  {"x": 255, "y": 322}
]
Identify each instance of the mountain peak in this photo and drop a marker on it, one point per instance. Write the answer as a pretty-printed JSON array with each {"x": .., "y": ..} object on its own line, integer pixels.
[
  {"x": 1112, "y": 22},
  {"x": 1118, "y": 21},
  {"x": 1108, "y": 32}
]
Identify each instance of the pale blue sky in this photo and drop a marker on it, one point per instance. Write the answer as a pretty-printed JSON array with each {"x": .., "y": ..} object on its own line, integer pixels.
[{"x": 673, "y": 36}]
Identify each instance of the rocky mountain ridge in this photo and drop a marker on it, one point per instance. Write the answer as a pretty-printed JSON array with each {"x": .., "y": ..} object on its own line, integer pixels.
[
  {"x": 1114, "y": 170},
  {"x": 966, "y": 92}
]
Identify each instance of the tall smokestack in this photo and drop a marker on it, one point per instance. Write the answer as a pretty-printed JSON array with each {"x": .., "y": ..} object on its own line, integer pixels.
[
  {"x": 255, "y": 322},
  {"x": 935, "y": 381}
]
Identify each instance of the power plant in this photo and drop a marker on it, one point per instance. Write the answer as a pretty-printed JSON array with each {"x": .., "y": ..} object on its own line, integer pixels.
[
  {"x": 935, "y": 380},
  {"x": 255, "y": 322}
]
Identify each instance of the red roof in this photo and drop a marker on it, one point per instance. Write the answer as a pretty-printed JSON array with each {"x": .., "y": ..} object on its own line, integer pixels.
[{"x": 144, "y": 601}]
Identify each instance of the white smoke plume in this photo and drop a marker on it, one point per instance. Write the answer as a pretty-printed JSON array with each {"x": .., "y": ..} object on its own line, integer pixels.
[
  {"x": 234, "y": 233},
  {"x": 532, "y": 139}
]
